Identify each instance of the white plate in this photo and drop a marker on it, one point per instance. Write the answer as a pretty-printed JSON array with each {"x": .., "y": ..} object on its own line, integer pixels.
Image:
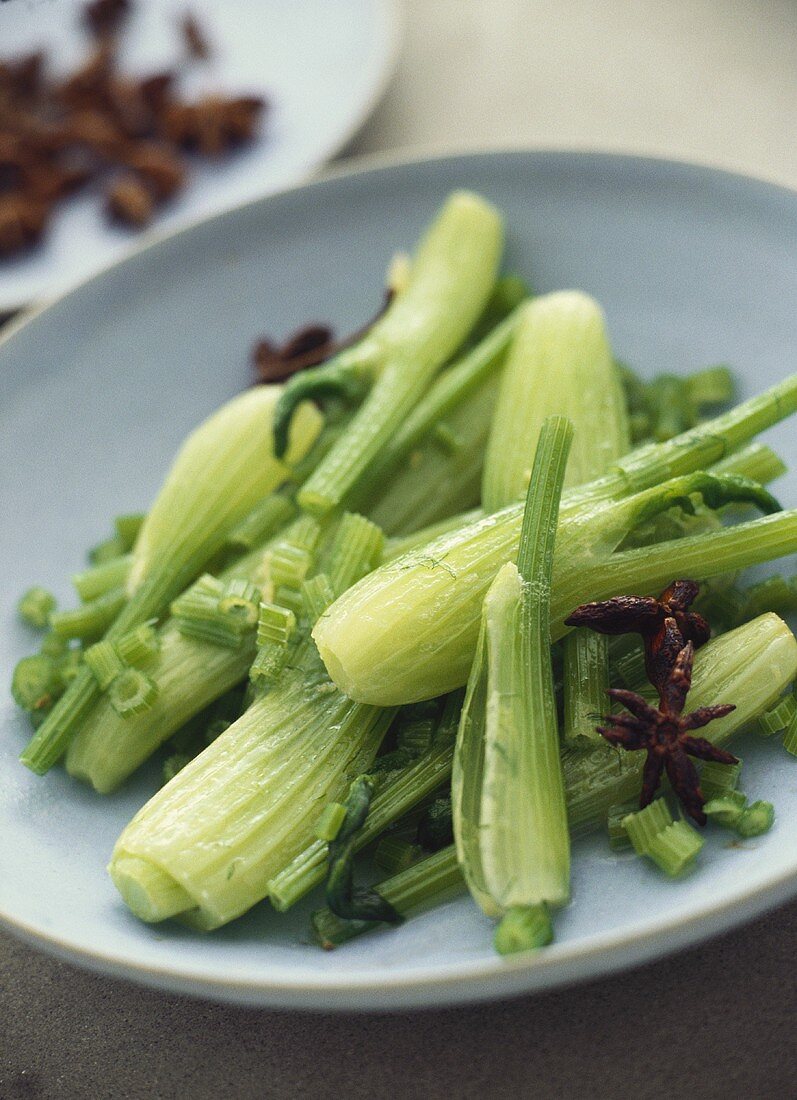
[
  {"x": 323, "y": 65},
  {"x": 96, "y": 391}
]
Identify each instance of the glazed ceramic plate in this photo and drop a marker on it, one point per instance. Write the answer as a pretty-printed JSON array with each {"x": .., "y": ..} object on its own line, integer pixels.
[
  {"x": 693, "y": 266},
  {"x": 322, "y": 66}
]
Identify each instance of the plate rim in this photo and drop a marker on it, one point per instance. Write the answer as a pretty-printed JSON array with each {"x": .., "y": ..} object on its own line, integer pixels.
[
  {"x": 392, "y": 21},
  {"x": 486, "y": 979}
]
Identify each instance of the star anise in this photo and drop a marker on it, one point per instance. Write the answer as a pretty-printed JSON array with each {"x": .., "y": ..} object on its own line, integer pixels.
[
  {"x": 665, "y": 734},
  {"x": 665, "y": 624},
  {"x": 306, "y": 347}
]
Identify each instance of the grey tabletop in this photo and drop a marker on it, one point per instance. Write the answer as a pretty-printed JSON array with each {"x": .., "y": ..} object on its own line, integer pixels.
[{"x": 699, "y": 79}]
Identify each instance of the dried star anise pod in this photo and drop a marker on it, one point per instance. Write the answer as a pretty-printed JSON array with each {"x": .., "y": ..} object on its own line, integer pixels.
[
  {"x": 87, "y": 86},
  {"x": 306, "y": 347},
  {"x": 212, "y": 125},
  {"x": 130, "y": 201},
  {"x": 104, "y": 17},
  {"x": 22, "y": 221},
  {"x": 665, "y": 733},
  {"x": 158, "y": 167},
  {"x": 22, "y": 77},
  {"x": 665, "y": 624},
  {"x": 195, "y": 38}
]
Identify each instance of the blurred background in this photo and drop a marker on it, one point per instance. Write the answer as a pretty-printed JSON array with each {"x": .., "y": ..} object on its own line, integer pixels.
[{"x": 710, "y": 80}]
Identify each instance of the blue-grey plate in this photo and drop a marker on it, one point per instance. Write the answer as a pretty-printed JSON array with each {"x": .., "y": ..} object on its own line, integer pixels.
[{"x": 692, "y": 265}]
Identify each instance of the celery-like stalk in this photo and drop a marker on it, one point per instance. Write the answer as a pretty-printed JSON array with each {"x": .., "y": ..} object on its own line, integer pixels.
[
  {"x": 510, "y": 822},
  {"x": 449, "y": 284},
  {"x": 247, "y": 805},
  {"x": 224, "y": 467},
  {"x": 586, "y": 679},
  {"x": 442, "y": 441},
  {"x": 409, "y": 630},
  {"x": 399, "y": 794},
  {"x": 560, "y": 362}
]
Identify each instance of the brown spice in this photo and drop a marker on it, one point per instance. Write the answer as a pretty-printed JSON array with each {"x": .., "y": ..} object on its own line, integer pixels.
[
  {"x": 306, "y": 347},
  {"x": 22, "y": 222},
  {"x": 665, "y": 733},
  {"x": 665, "y": 624},
  {"x": 195, "y": 39},
  {"x": 158, "y": 167},
  {"x": 130, "y": 202},
  {"x": 214, "y": 125},
  {"x": 104, "y": 17},
  {"x": 55, "y": 136}
]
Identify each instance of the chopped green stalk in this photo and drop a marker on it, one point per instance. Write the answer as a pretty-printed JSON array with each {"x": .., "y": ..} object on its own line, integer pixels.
[
  {"x": 219, "y": 613},
  {"x": 128, "y": 528},
  {"x": 34, "y": 683},
  {"x": 619, "y": 840},
  {"x": 559, "y": 362},
  {"x": 718, "y": 779},
  {"x": 356, "y": 548},
  {"x": 779, "y": 718},
  {"x": 318, "y": 595},
  {"x": 262, "y": 523},
  {"x": 101, "y": 578},
  {"x": 641, "y": 826},
  {"x": 630, "y": 668},
  {"x": 726, "y": 809},
  {"x": 139, "y": 646},
  {"x": 92, "y": 619},
  {"x": 398, "y": 794},
  {"x": 586, "y": 681},
  {"x": 330, "y": 821},
  {"x": 35, "y": 607},
  {"x": 672, "y": 845},
  {"x": 462, "y": 399},
  {"x": 756, "y": 461},
  {"x": 756, "y": 819},
  {"x": 53, "y": 645},
  {"x": 107, "y": 551},
  {"x": 525, "y": 928},
  {"x": 132, "y": 692},
  {"x": 510, "y": 821},
  {"x": 450, "y": 281},
  {"x": 222, "y": 470},
  {"x": 275, "y": 624},
  {"x": 394, "y": 854},
  {"x": 790, "y": 738},
  {"x": 343, "y": 898},
  {"x": 104, "y": 663},
  {"x": 425, "y": 883}
]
